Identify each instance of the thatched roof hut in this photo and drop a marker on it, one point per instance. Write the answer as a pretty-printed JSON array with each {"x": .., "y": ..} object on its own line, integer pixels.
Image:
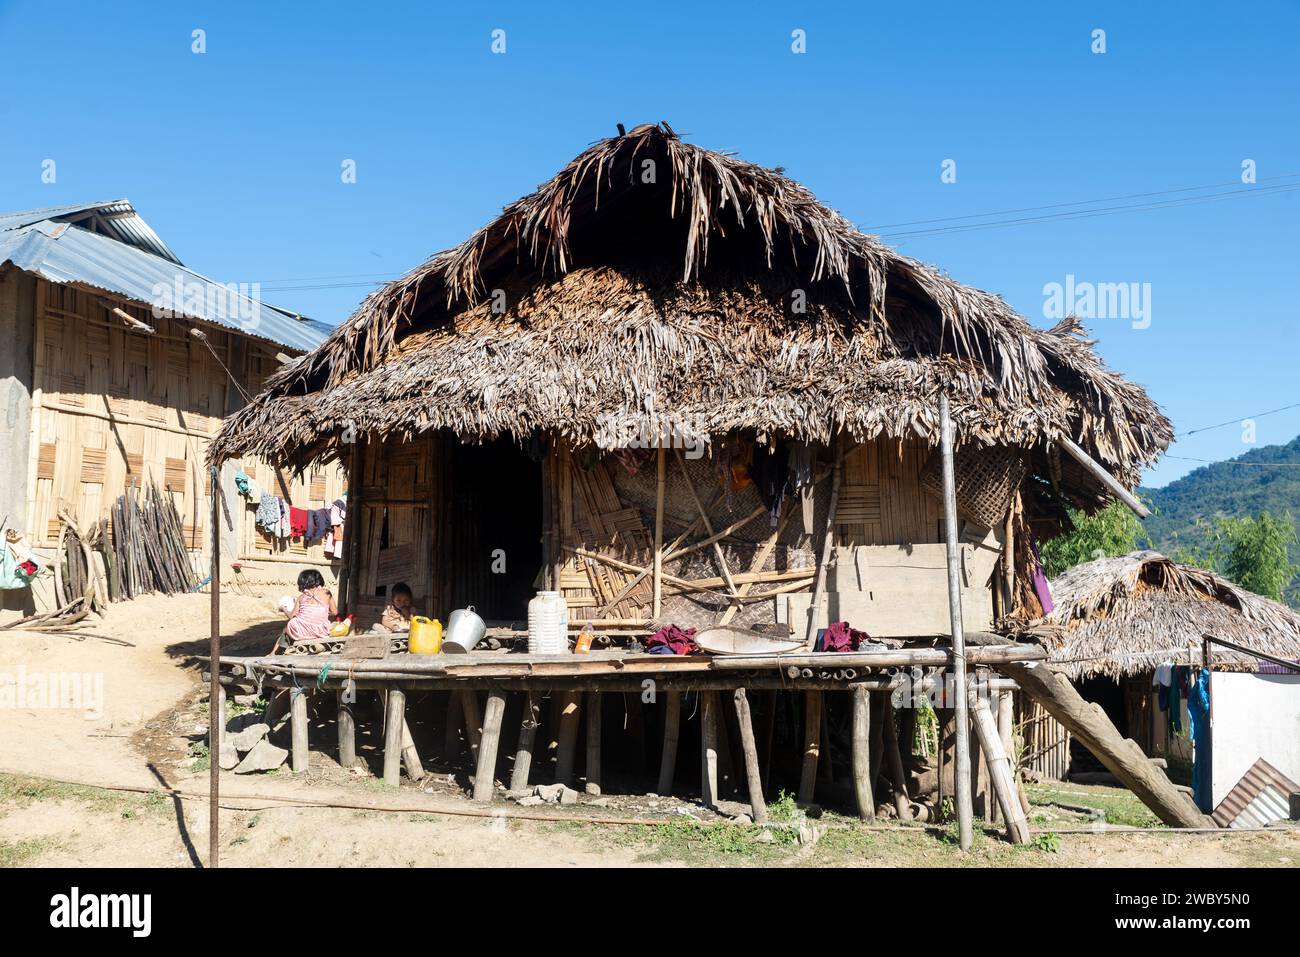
[
  {"x": 1118, "y": 617},
  {"x": 655, "y": 283}
]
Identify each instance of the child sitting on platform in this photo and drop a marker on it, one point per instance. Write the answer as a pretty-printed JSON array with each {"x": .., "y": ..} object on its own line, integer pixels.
[
  {"x": 310, "y": 618},
  {"x": 397, "y": 615}
]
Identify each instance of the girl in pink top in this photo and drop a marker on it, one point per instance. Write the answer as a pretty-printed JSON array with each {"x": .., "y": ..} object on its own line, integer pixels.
[{"x": 310, "y": 619}]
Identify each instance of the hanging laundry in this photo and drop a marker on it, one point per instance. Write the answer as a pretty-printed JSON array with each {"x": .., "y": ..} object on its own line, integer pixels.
[
  {"x": 632, "y": 460},
  {"x": 297, "y": 522},
  {"x": 247, "y": 486},
  {"x": 1198, "y": 715},
  {"x": 801, "y": 480},
  {"x": 268, "y": 513}
]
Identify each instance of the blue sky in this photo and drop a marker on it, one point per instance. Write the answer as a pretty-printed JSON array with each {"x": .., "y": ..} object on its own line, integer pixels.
[{"x": 234, "y": 155}]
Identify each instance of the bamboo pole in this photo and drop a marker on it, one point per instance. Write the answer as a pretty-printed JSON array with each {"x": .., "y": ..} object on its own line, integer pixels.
[
  {"x": 812, "y": 730},
  {"x": 1009, "y": 559},
  {"x": 828, "y": 549},
  {"x": 485, "y": 771},
  {"x": 1106, "y": 479},
  {"x": 962, "y": 782},
  {"x": 760, "y": 559},
  {"x": 524, "y": 750},
  {"x": 1000, "y": 776},
  {"x": 672, "y": 728},
  {"x": 753, "y": 782},
  {"x": 657, "y": 582},
  {"x": 708, "y": 525},
  {"x": 862, "y": 753},
  {"x": 216, "y": 722}
]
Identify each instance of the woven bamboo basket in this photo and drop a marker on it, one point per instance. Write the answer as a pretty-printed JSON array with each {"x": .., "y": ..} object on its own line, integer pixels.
[{"x": 986, "y": 479}]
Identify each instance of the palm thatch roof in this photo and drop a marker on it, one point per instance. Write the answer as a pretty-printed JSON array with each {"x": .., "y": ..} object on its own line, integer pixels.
[
  {"x": 652, "y": 282},
  {"x": 1123, "y": 616}
]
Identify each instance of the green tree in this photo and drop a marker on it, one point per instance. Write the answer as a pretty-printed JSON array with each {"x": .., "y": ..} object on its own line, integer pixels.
[
  {"x": 1112, "y": 531},
  {"x": 1253, "y": 553}
]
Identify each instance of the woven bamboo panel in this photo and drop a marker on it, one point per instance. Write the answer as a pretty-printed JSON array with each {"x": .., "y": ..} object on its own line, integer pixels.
[{"x": 123, "y": 408}]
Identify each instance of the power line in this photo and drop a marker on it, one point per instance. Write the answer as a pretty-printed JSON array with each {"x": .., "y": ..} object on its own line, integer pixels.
[
  {"x": 1082, "y": 202},
  {"x": 1089, "y": 213},
  {"x": 1239, "y": 420}
]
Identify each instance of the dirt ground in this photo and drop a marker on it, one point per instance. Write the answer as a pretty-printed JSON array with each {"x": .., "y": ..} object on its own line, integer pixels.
[{"x": 122, "y": 781}]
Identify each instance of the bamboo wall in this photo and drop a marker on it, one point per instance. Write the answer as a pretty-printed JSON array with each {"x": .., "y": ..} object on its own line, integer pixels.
[
  {"x": 113, "y": 406},
  {"x": 415, "y": 527}
]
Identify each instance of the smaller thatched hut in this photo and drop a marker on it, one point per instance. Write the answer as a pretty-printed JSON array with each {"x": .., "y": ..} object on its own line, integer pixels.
[{"x": 1117, "y": 619}]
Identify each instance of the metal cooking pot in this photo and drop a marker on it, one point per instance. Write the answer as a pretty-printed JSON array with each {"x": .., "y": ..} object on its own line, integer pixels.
[{"x": 465, "y": 629}]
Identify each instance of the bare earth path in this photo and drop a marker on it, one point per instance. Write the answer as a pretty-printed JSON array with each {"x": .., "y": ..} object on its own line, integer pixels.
[{"x": 151, "y": 710}]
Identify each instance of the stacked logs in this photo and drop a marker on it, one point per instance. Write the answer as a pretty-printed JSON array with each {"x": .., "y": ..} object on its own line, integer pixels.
[{"x": 148, "y": 552}]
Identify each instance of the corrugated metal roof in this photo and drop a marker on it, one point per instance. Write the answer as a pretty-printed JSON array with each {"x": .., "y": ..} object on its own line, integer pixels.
[
  {"x": 65, "y": 253},
  {"x": 1261, "y": 797},
  {"x": 115, "y": 218}
]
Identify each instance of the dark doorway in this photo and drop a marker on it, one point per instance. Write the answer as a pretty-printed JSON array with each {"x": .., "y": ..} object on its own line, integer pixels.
[
  {"x": 1107, "y": 693},
  {"x": 494, "y": 523}
]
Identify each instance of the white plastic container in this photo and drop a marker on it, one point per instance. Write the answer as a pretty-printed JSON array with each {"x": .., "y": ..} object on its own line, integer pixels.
[{"x": 548, "y": 624}]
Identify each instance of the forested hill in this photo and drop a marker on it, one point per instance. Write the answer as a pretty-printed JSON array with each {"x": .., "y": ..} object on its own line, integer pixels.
[{"x": 1262, "y": 480}]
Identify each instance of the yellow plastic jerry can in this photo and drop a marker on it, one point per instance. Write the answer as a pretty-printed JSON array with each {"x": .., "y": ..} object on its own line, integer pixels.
[{"x": 426, "y": 636}]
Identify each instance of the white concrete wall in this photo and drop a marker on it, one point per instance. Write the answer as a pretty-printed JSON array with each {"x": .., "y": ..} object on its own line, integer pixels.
[{"x": 1254, "y": 716}]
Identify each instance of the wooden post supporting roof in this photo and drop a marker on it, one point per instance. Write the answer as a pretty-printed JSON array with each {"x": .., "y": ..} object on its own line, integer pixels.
[
  {"x": 962, "y": 782},
  {"x": 1106, "y": 479},
  {"x": 216, "y": 713}
]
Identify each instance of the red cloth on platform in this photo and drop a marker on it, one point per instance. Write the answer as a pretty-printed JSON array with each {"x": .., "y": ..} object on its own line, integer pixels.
[
  {"x": 840, "y": 637},
  {"x": 671, "y": 640}
]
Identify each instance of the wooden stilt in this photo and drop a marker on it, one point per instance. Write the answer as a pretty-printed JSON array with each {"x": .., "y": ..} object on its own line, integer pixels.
[
  {"x": 754, "y": 783},
  {"x": 825, "y": 771},
  {"x": 672, "y": 728},
  {"x": 1003, "y": 785},
  {"x": 394, "y": 720},
  {"x": 812, "y": 729},
  {"x": 451, "y": 728},
  {"x": 636, "y": 731},
  {"x": 473, "y": 723},
  {"x": 524, "y": 750},
  {"x": 485, "y": 770},
  {"x": 709, "y": 748},
  {"x": 593, "y": 742},
  {"x": 862, "y": 753},
  {"x": 347, "y": 723},
  {"x": 298, "y": 722},
  {"x": 568, "y": 737},
  {"x": 876, "y": 757},
  {"x": 902, "y": 803},
  {"x": 410, "y": 755}
]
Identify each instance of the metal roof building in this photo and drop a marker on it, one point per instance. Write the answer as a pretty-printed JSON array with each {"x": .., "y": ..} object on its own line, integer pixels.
[{"x": 109, "y": 246}]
